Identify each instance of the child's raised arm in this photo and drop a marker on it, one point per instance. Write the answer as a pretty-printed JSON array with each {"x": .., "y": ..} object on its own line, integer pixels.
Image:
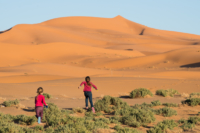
[{"x": 81, "y": 85}]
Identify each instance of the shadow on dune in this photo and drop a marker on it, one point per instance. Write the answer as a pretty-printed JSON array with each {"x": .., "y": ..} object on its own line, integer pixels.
[
  {"x": 129, "y": 49},
  {"x": 5, "y": 31},
  {"x": 192, "y": 65},
  {"x": 126, "y": 97},
  {"x": 67, "y": 108},
  {"x": 196, "y": 43},
  {"x": 29, "y": 109},
  {"x": 142, "y": 32}
]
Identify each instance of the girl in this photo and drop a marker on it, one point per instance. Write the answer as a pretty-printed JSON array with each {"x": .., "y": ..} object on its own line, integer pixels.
[
  {"x": 87, "y": 92},
  {"x": 39, "y": 101}
]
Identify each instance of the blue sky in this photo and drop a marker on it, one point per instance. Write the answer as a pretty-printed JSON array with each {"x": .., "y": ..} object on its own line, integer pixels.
[{"x": 174, "y": 15}]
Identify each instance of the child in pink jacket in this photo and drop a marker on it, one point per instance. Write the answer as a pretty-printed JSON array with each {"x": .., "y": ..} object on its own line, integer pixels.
[
  {"x": 87, "y": 91},
  {"x": 39, "y": 101}
]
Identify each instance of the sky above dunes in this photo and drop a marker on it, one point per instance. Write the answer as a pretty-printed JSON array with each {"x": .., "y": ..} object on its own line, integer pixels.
[{"x": 179, "y": 15}]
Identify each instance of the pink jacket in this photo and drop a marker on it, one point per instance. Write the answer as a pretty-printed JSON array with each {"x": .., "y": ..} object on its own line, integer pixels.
[
  {"x": 87, "y": 87},
  {"x": 40, "y": 100}
]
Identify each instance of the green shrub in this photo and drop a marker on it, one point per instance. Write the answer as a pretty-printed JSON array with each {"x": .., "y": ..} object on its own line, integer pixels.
[
  {"x": 37, "y": 128},
  {"x": 131, "y": 121},
  {"x": 67, "y": 112},
  {"x": 78, "y": 110},
  {"x": 195, "y": 95},
  {"x": 156, "y": 103},
  {"x": 105, "y": 120},
  {"x": 141, "y": 92},
  {"x": 25, "y": 120},
  {"x": 170, "y": 92},
  {"x": 136, "y": 117},
  {"x": 10, "y": 103},
  {"x": 190, "y": 123},
  {"x": 10, "y": 127},
  {"x": 161, "y": 127},
  {"x": 120, "y": 129},
  {"x": 115, "y": 119},
  {"x": 170, "y": 104},
  {"x": 46, "y": 95},
  {"x": 166, "y": 112},
  {"x": 192, "y": 101},
  {"x": 107, "y": 101},
  {"x": 98, "y": 114},
  {"x": 49, "y": 129}
]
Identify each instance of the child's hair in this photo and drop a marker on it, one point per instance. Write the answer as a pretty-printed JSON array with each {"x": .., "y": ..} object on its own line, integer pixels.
[
  {"x": 87, "y": 79},
  {"x": 40, "y": 90}
]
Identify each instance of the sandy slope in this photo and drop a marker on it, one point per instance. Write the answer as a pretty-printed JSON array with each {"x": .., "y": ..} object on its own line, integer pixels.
[
  {"x": 119, "y": 55},
  {"x": 77, "y": 46}
]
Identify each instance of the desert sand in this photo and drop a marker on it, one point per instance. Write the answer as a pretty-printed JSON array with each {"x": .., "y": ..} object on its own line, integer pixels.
[{"x": 119, "y": 55}]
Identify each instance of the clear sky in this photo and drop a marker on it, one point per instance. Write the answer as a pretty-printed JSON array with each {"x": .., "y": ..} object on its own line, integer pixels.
[{"x": 174, "y": 15}]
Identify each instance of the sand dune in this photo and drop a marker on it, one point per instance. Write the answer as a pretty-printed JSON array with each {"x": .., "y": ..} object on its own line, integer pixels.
[
  {"x": 118, "y": 54},
  {"x": 63, "y": 47}
]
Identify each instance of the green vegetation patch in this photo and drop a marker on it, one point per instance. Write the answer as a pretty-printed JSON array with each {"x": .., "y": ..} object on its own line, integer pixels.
[
  {"x": 120, "y": 129},
  {"x": 141, "y": 92},
  {"x": 166, "y": 112},
  {"x": 170, "y": 104},
  {"x": 190, "y": 123},
  {"x": 161, "y": 127},
  {"x": 11, "y": 103},
  {"x": 192, "y": 101},
  {"x": 47, "y": 96},
  {"x": 109, "y": 104},
  {"x": 169, "y": 92}
]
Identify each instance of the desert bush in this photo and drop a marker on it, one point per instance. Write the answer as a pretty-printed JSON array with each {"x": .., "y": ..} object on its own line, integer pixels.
[
  {"x": 49, "y": 129},
  {"x": 161, "y": 127},
  {"x": 109, "y": 104},
  {"x": 78, "y": 110},
  {"x": 192, "y": 101},
  {"x": 136, "y": 117},
  {"x": 11, "y": 103},
  {"x": 67, "y": 112},
  {"x": 141, "y": 92},
  {"x": 98, "y": 114},
  {"x": 25, "y": 120},
  {"x": 131, "y": 121},
  {"x": 105, "y": 120},
  {"x": 46, "y": 95},
  {"x": 169, "y": 92},
  {"x": 170, "y": 104},
  {"x": 195, "y": 95},
  {"x": 120, "y": 129},
  {"x": 166, "y": 112},
  {"x": 9, "y": 127},
  {"x": 115, "y": 119},
  {"x": 37, "y": 128},
  {"x": 190, "y": 123},
  {"x": 53, "y": 116},
  {"x": 156, "y": 103},
  {"x": 89, "y": 115},
  {"x": 100, "y": 124}
]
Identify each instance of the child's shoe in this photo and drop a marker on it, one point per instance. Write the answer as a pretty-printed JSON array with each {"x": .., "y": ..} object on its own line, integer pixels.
[
  {"x": 39, "y": 120},
  {"x": 86, "y": 108},
  {"x": 93, "y": 110}
]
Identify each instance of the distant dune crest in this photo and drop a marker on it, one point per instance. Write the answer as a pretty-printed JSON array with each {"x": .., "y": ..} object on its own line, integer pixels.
[{"x": 61, "y": 46}]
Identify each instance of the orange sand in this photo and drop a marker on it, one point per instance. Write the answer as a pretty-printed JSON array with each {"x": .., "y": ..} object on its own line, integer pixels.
[{"x": 119, "y": 55}]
